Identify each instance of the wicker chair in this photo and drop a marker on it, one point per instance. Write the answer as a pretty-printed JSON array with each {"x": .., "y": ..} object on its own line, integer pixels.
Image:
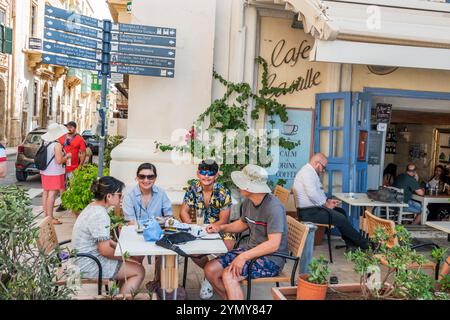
[
  {"x": 297, "y": 234},
  {"x": 374, "y": 222},
  {"x": 282, "y": 194},
  {"x": 48, "y": 241}
]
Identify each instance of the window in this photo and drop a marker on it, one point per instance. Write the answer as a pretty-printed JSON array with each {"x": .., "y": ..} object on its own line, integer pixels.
[
  {"x": 35, "y": 98},
  {"x": 50, "y": 101},
  {"x": 2, "y": 16},
  {"x": 33, "y": 19}
]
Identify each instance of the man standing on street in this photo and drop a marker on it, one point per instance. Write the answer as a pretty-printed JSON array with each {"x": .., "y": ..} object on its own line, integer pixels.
[
  {"x": 75, "y": 148},
  {"x": 3, "y": 161}
]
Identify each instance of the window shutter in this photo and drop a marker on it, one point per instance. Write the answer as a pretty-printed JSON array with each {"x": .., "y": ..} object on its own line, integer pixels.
[
  {"x": 8, "y": 40},
  {"x": 2, "y": 38}
]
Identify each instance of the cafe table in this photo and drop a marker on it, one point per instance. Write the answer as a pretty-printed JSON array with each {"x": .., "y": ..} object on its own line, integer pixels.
[
  {"x": 427, "y": 199},
  {"x": 134, "y": 244},
  {"x": 441, "y": 226}
]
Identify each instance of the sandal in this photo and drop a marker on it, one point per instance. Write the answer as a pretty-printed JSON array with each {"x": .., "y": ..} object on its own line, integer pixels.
[{"x": 56, "y": 221}]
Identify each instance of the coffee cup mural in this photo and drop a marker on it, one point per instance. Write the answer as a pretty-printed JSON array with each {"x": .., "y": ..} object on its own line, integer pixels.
[{"x": 290, "y": 129}]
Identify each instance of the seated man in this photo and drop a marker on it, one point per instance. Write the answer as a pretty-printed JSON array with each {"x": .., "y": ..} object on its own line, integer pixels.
[
  {"x": 265, "y": 216},
  {"x": 409, "y": 183},
  {"x": 313, "y": 205},
  {"x": 207, "y": 194}
]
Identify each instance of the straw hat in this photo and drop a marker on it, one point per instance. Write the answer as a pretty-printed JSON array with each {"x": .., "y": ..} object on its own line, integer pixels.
[
  {"x": 252, "y": 178},
  {"x": 54, "y": 132}
]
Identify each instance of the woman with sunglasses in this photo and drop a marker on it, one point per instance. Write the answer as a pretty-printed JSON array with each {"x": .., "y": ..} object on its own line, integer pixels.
[
  {"x": 212, "y": 197},
  {"x": 91, "y": 234},
  {"x": 146, "y": 200}
]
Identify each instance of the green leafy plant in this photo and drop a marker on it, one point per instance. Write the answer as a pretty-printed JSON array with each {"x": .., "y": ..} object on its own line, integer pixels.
[
  {"x": 319, "y": 271},
  {"x": 110, "y": 143},
  {"x": 400, "y": 281},
  {"x": 445, "y": 283},
  {"x": 230, "y": 113},
  {"x": 78, "y": 194},
  {"x": 25, "y": 272}
]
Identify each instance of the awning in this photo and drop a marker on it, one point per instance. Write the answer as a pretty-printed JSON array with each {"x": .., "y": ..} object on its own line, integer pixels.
[{"x": 409, "y": 33}]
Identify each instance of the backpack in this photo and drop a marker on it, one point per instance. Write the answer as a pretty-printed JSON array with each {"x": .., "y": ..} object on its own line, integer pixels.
[
  {"x": 40, "y": 160},
  {"x": 385, "y": 195}
]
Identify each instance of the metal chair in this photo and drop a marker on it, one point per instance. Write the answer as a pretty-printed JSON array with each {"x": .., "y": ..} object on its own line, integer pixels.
[
  {"x": 297, "y": 234},
  {"x": 48, "y": 242}
]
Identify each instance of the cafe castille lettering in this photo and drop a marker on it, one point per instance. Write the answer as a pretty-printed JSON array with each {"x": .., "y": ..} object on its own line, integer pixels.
[{"x": 291, "y": 56}]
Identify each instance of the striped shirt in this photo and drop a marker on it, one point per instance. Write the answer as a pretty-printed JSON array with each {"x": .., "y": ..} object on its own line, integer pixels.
[
  {"x": 2, "y": 154},
  {"x": 308, "y": 187}
]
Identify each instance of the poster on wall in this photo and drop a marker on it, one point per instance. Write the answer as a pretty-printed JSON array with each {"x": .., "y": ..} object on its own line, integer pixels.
[{"x": 297, "y": 128}]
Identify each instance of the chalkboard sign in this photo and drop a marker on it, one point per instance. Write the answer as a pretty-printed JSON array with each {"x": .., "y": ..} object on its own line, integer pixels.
[
  {"x": 375, "y": 145},
  {"x": 384, "y": 111}
]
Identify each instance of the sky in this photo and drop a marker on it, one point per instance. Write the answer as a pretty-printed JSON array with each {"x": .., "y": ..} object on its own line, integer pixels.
[{"x": 101, "y": 10}]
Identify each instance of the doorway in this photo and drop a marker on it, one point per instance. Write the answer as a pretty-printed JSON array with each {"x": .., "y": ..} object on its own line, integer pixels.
[{"x": 3, "y": 120}]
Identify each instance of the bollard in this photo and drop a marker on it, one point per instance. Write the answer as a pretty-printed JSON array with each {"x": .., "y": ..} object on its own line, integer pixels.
[{"x": 307, "y": 254}]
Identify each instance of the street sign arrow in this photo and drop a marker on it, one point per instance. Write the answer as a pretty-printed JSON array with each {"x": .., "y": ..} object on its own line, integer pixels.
[
  {"x": 143, "y": 71},
  {"x": 72, "y": 51},
  {"x": 147, "y": 30},
  {"x": 72, "y": 39},
  {"x": 70, "y": 62},
  {"x": 73, "y": 17},
  {"x": 142, "y": 50},
  {"x": 72, "y": 27},
  {"x": 143, "y": 39},
  {"x": 143, "y": 61}
]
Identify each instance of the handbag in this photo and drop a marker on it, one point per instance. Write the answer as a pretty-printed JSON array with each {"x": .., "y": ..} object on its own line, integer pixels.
[
  {"x": 170, "y": 241},
  {"x": 385, "y": 195},
  {"x": 152, "y": 231}
]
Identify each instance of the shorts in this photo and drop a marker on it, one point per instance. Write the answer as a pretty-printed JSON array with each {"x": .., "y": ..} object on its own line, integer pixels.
[
  {"x": 52, "y": 183},
  {"x": 262, "y": 267}
]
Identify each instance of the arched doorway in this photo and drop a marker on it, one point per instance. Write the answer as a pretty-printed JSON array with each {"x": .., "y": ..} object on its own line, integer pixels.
[
  {"x": 43, "y": 117},
  {"x": 2, "y": 110}
]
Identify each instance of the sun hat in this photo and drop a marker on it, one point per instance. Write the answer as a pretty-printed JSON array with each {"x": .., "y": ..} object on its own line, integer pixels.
[
  {"x": 54, "y": 132},
  {"x": 252, "y": 178}
]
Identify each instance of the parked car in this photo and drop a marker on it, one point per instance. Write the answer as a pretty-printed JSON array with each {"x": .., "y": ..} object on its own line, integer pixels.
[
  {"x": 26, "y": 152},
  {"x": 91, "y": 141}
]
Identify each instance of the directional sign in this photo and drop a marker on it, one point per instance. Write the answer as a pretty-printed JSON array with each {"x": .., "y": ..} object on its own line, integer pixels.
[
  {"x": 72, "y": 39},
  {"x": 73, "y": 17},
  {"x": 148, "y": 30},
  {"x": 142, "y": 39},
  {"x": 143, "y": 71},
  {"x": 143, "y": 61},
  {"x": 70, "y": 62},
  {"x": 73, "y": 28},
  {"x": 72, "y": 51},
  {"x": 141, "y": 50}
]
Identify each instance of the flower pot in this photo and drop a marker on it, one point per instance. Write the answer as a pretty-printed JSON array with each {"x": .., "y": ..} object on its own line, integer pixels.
[{"x": 310, "y": 291}]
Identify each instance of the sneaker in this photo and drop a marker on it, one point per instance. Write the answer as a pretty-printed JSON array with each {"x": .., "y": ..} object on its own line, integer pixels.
[{"x": 206, "y": 292}]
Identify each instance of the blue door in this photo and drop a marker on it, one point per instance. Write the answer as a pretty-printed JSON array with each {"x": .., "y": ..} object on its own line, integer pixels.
[{"x": 341, "y": 132}]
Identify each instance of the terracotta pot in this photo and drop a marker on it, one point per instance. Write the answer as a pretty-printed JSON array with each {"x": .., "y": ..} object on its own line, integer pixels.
[{"x": 310, "y": 291}]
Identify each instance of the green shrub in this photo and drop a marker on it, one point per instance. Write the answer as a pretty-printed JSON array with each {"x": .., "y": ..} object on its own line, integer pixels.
[
  {"x": 110, "y": 143},
  {"x": 25, "y": 272},
  {"x": 78, "y": 194},
  {"x": 319, "y": 271}
]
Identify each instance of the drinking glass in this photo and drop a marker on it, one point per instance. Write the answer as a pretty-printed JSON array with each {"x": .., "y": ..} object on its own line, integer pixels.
[{"x": 200, "y": 217}]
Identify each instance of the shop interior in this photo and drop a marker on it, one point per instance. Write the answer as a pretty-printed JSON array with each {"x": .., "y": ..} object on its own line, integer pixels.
[{"x": 417, "y": 130}]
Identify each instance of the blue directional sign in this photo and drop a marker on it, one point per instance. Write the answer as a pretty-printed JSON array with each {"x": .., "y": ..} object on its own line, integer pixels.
[
  {"x": 143, "y": 71},
  {"x": 72, "y": 51},
  {"x": 148, "y": 30},
  {"x": 142, "y": 39},
  {"x": 142, "y": 50},
  {"x": 72, "y": 39},
  {"x": 73, "y": 17},
  {"x": 70, "y": 62},
  {"x": 142, "y": 60},
  {"x": 73, "y": 28}
]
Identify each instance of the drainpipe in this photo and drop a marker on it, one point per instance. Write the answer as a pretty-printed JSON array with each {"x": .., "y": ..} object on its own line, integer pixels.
[
  {"x": 13, "y": 67},
  {"x": 242, "y": 41}
]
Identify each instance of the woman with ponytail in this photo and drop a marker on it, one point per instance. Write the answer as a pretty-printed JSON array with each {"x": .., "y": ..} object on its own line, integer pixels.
[{"x": 91, "y": 234}]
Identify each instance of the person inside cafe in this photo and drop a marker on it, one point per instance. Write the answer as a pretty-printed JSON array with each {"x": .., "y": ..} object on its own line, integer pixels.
[
  {"x": 91, "y": 234},
  {"x": 214, "y": 199},
  {"x": 265, "y": 216},
  {"x": 146, "y": 200},
  {"x": 409, "y": 182},
  {"x": 440, "y": 183},
  {"x": 389, "y": 174},
  {"x": 314, "y": 206}
]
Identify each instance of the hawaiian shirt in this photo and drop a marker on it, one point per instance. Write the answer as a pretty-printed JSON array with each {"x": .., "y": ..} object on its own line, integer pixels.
[{"x": 220, "y": 200}]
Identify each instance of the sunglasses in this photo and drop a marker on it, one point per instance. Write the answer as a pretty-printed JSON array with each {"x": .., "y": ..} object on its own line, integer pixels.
[
  {"x": 149, "y": 176},
  {"x": 207, "y": 173}
]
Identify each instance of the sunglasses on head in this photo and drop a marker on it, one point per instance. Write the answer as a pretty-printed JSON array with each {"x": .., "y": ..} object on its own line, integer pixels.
[
  {"x": 148, "y": 176},
  {"x": 207, "y": 173}
]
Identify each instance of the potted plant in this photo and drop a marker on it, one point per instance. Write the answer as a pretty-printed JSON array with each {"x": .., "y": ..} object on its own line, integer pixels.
[{"x": 313, "y": 286}]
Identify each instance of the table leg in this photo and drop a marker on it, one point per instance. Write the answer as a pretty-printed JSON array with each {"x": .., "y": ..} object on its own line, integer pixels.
[
  {"x": 169, "y": 275},
  {"x": 423, "y": 218}
]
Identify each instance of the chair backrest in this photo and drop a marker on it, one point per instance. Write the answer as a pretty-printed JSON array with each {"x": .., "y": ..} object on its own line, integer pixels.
[
  {"x": 374, "y": 222},
  {"x": 47, "y": 241},
  {"x": 297, "y": 234},
  {"x": 282, "y": 194},
  {"x": 295, "y": 194}
]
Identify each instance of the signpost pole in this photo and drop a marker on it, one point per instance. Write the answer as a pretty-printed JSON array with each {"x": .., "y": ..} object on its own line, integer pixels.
[{"x": 104, "y": 108}]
